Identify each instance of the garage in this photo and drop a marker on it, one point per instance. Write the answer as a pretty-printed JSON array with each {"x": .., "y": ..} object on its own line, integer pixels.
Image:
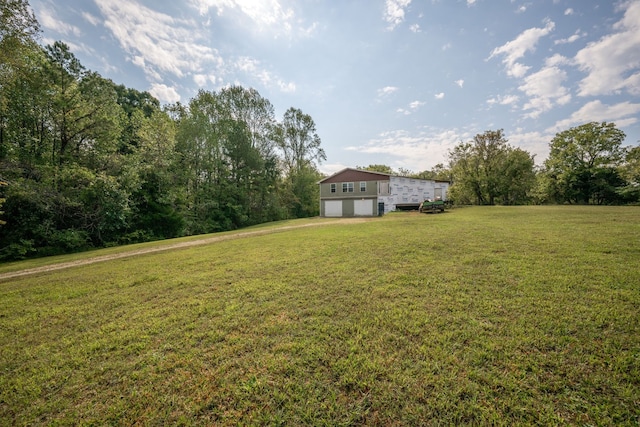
[
  {"x": 333, "y": 208},
  {"x": 363, "y": 207}
]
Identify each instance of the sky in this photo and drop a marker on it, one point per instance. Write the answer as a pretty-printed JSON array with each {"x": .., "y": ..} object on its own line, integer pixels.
[{"x": 393, "y": 82}]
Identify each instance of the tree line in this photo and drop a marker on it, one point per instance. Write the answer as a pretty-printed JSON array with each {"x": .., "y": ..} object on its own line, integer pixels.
[
  {"x": 85, "y": 162},
  {"x": 587, "y": 164}
]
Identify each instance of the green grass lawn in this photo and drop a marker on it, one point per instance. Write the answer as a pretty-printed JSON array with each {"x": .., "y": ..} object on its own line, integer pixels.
[{"x": 496, "y": 315}]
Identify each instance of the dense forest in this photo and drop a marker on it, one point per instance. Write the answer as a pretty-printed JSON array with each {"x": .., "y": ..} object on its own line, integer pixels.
[{"x": 86, "y": 162}]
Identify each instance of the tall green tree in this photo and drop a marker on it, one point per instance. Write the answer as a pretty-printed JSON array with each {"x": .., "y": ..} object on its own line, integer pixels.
[
  {"x": 19, "y": 51},
  {"x": 300, "y": 192},
  {"x": 300, "y": 148},
  {"x": 136, "y": 106},
  {"x": 517, "y": 177},
  {"x": 630, "y": 172},
  {"x": 18, "y": 27},
  {"x": 229, "y": 164},
  {"x": 256, "y": 114},
  {"x": 465, "y": 169},
  {"x": 201, "y": 162},
  {"x": 583, "y": 164},
  {"x": 244, "y": 163},
  {"x": 67, "y": 110},
  {"x": 84, "y": 112},
  {"x": 25, "y": 135},
  {"x": 488, "y": 170},
  {"x": 101, "y": 125},
  {"x": 18, "y": 32},
  {"x": 299, "y": 142},
  {"x": 157, "y": 197},
  {"x": 491, "y": 149}
]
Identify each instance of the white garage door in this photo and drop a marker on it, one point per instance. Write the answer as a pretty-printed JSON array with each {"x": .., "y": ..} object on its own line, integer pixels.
[
  {"x": 363, "y": 207},
  {"x": 333, "y": 208}
]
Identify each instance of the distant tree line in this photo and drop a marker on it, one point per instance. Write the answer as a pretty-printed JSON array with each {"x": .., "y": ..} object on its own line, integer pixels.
[
  {"x": 85, "y": 162},
  {"x": 587, "y": 164}
]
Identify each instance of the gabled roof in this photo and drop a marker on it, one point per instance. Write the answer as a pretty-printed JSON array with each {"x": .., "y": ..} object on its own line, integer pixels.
[{"x": 351, "y": 174}]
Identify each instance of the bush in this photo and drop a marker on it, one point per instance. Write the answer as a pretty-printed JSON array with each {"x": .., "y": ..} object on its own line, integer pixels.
[{"x": 18, "y": 250}]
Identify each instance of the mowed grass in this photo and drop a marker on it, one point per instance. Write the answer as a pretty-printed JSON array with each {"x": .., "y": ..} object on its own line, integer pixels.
[{"x": 496, "y": 315}]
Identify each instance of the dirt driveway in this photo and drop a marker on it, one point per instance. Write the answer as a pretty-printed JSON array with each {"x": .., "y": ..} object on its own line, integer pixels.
[{"x": 170, "y": 246}]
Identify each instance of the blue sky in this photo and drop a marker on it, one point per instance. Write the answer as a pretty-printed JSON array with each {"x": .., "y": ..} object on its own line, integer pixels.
[{"x": 395, "y": 82}]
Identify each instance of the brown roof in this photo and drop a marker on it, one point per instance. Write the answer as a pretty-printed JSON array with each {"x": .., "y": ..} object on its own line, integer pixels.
[{"x": 353, "y": 175}]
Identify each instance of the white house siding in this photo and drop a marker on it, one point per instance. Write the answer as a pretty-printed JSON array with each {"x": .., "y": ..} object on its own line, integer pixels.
[{"x": 408, "y": 190}]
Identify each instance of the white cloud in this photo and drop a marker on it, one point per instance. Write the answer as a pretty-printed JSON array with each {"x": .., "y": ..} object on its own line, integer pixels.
[
  {"x": 416, "y": 151},
  {"x": 535, "y": 143},
  {"x": 503, "y": 100},
  {"x": 48, "y": 19},
  {"x": 569, "y": 11},
  {"x": 286, "y": 87},
  {"x": 446, "y": 46},
  {"x": 576, "y": 36},
  {"x": 263, "y": 14},
  {"x": 386, "y": 91},
  {"x": 459, "y": 83},
  {"x": 200, "y": 79},
  {"x": 253, "y": 68},
  {"x": 203, "y": 79},
  {"x": 309, "y": 31},
  {"x": 157, "y": 42},
  {"x": 415, "y": 28},
  {"x": 394, "y": 12},
  {"x": 556, "y": 59},
  {"x": 545, "y": 90},
  {"x": 164, "y": 93},
  {"x": 623, "y": 114},
  {"x": 471, "y": 2},
  {"x": 75, "y": 48},
  {"x": 633, "y": 84},
  {"x": 93, "y": 20},
  {"x": 518, "y": 70},
  {"x": 518, "y": 47},
  {"x": 413, "y": 107},
  {"x": 439, "y": 95},
  {"x": 613, "y": 62},
  {"x": 160, "y": 45}
]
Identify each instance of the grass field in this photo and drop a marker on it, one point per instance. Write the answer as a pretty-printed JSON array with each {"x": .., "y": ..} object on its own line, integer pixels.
[{"x": 496, "y": 315}]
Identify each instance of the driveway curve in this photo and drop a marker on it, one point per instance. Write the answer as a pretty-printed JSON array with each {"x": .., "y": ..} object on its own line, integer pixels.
[{"x": 168, "y": 247}]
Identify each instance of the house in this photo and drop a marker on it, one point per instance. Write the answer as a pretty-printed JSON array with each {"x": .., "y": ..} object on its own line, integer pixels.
[{"x": 354, "y": 192}]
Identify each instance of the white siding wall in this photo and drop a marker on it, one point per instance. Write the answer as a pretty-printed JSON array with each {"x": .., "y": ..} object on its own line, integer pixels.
[{"x": 408, "y": 190}]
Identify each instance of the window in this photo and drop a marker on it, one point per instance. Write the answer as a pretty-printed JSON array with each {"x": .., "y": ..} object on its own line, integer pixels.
[
  {"x": 383, "y": 188},
  {"x": 333, "y": 188},
  {"x": 363, "y": 186},
  {"x": 347, "y": 187}
]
